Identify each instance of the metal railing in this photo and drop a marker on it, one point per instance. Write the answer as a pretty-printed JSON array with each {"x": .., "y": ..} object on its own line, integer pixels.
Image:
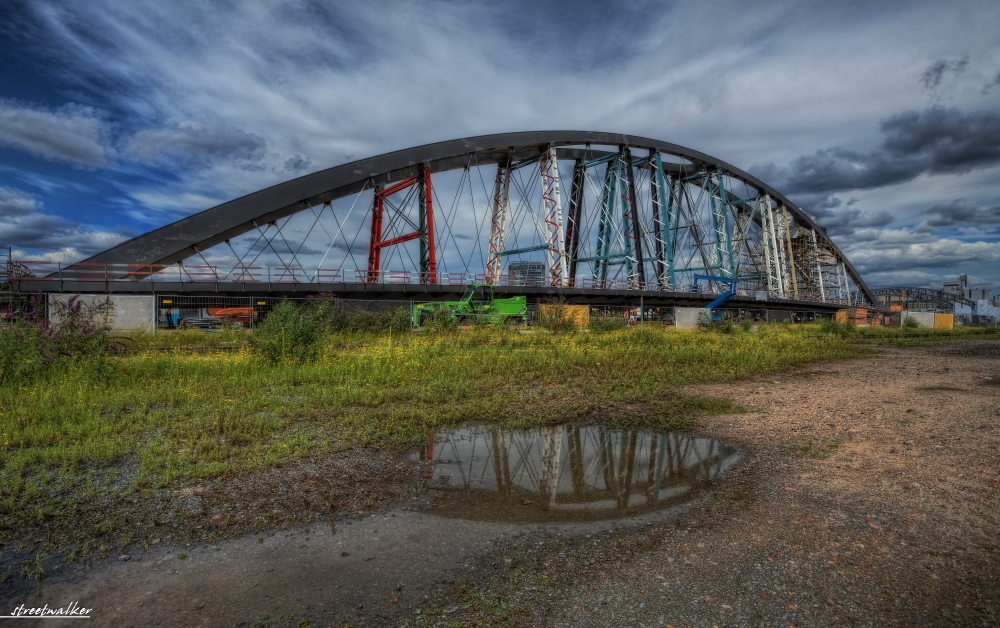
[{"x": 27, "y": 270}]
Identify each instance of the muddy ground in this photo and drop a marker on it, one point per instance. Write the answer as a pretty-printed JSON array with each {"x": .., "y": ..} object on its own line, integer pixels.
[{"x": 868, "y": 497}]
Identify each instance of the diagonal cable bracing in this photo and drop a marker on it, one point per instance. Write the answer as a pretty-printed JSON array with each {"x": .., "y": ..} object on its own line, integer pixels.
[{"x": 340, "y": 228}]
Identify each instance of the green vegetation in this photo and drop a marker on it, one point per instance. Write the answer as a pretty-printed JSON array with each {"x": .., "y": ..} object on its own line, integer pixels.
[
  {"x": 211, "y": 404},
  {"x": 31, "y": 349},
  {"x": 897, "y": 335},
  {"x": 183, "y": 414}
]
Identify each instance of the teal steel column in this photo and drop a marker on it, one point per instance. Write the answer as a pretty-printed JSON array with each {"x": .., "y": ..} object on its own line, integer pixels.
[
  {"x": 637, "y": 274},
  {"x": 605, "y": 227},
  {"x": 675, "y": 208},
  {"x": 721, "y": 225},
  {"x": 627, "y": 218},
  {"x": 667, "y": 211}
]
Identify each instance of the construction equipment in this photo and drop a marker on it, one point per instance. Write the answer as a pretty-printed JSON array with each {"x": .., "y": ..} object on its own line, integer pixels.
[
  {"x": 477, "y": 304},
  {"x": 722, "y": 298}
]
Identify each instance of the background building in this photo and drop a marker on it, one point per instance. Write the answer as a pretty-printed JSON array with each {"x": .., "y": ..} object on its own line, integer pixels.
[{"x": 526, "y": 274}]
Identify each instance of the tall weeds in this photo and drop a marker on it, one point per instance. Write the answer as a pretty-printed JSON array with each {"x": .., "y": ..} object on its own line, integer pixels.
[{"x": 31, "y": 347}]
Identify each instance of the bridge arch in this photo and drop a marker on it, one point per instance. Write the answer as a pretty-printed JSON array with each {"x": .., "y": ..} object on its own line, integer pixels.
[{"x": 596, "y": 209}]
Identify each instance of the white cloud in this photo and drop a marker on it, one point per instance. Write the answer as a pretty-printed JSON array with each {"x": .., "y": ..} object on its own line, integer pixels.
[
  {"x": 905, "y": 249},
  {"x": 24, "y": 224},
  {"x": 73, "y": 133},
  {"x": 14, "y": 202}
]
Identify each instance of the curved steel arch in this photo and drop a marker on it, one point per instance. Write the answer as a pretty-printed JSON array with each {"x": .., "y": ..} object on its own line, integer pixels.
[{"x": 188, "y": 236}]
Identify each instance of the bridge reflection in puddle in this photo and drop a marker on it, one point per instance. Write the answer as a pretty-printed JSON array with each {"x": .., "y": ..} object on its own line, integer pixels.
[{"x": 567, "y": 473}]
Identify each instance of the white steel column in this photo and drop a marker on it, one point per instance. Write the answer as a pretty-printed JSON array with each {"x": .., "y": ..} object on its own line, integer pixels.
[
  {"x": 785, "y": 237},
  {"x": 772, "y": 249},
  {"x": 845, "y": 287},
  {"x": 819, "y": 268},
  {"x": 498, "y": 224},
  {"x": 552, "y": 206}
]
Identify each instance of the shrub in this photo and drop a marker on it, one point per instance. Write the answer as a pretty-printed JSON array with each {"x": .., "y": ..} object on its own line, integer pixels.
[
  {"x": 343, "y": 318},
  {"x": 911, "y": 323},
  {"x": 292, "y": 332},
  {"x": 555, "y": 317},
  {"x": 722, "y": 326},
  {"x": 82, "y": 330},
  {"x": 79, "y": 334}
]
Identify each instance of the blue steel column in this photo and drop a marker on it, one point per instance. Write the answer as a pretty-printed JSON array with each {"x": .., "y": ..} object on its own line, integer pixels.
[
  {"x": 605, "y": 227},
  {"x": 721, "y": 225},
  {"x": 663, "y": 210},
  {"x": 637, "y": 274},
  {"x": 674, "y": 209},
  {"x": 575, "y": 218},
  {"x": 628, "y": 254}
]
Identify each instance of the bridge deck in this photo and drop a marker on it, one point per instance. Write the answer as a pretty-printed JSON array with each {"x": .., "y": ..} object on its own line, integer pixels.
[{"x": 416, "y": 292}]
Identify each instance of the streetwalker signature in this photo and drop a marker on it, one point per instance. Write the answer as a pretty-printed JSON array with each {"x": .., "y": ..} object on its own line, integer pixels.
[{"x": 73, "y": 610}]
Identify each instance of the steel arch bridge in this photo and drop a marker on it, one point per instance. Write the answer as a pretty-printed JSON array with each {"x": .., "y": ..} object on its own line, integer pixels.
[{"x": 582, "y": 213}]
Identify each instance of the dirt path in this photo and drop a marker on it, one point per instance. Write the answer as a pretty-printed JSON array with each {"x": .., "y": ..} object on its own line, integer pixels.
[{"x": 868, "y": 497}]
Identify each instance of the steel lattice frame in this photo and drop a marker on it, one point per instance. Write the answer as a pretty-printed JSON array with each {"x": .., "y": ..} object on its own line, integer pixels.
[
  {"x": 658, "y": 213},
  {"x": 922, "y": 298}
]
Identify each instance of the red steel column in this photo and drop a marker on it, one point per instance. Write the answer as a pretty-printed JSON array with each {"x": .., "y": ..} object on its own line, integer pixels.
[
  {"x": 428, "y": 257},
  {"x": 374, "y": 250}
]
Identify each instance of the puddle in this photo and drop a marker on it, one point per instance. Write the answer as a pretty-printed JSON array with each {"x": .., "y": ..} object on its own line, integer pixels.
[
  {"x": 567, "y": 473},
  {"x": 496, "y": 485}
]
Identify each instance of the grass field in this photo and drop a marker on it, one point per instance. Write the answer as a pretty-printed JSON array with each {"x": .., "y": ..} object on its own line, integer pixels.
[{"x": 196, "y": 405}]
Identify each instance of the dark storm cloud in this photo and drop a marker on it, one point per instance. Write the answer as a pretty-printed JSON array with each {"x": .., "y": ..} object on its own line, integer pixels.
[
  {"x": 297, "y": 163},
  {"x": 198, "y": 142},
  {"x": 931, "y": 78},
  {"x": 963, "y": 213},
  {"x": 937, "y": 140},
  {"x": 841, "y": 219}
]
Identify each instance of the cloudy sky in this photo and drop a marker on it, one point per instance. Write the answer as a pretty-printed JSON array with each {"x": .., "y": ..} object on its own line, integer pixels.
[{"x": 880, "y": 118}]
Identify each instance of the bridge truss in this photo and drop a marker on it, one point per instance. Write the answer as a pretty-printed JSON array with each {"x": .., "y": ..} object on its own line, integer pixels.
[
  {"x": 918, "y": 299},
  {"x": 561, "y": 209}
]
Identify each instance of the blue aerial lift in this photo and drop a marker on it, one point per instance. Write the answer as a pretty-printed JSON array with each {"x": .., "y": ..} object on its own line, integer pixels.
[{"x": 722, "y": 298}]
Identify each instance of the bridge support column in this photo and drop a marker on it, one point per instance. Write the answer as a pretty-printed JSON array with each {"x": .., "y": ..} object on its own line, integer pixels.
[
  {"x": 664, "y": 219},
  {"x": 605, "y": 226},
  {"x": 574, "y": 219},
  {"x": 786, "y": 223},
  {"x": 498, "y": 223},
  {"x": 819, "y": 268},
  {"x": 425, "y": 231},
  {"x": 428, "y": 249},
  {"x": 773, "y": 258},
  {"x": 552, "y": 204},
  {"x": 721, "y": 225},
  {"x": 845, "y": 287},
  {"x": 633, "y": 233}
]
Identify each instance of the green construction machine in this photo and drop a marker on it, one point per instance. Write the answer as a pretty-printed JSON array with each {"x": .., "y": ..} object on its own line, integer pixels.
[{"x": 477, "y": 304}]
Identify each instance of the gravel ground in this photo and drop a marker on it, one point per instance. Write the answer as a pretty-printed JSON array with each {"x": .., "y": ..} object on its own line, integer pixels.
[{"x": 868, "y": 497}]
